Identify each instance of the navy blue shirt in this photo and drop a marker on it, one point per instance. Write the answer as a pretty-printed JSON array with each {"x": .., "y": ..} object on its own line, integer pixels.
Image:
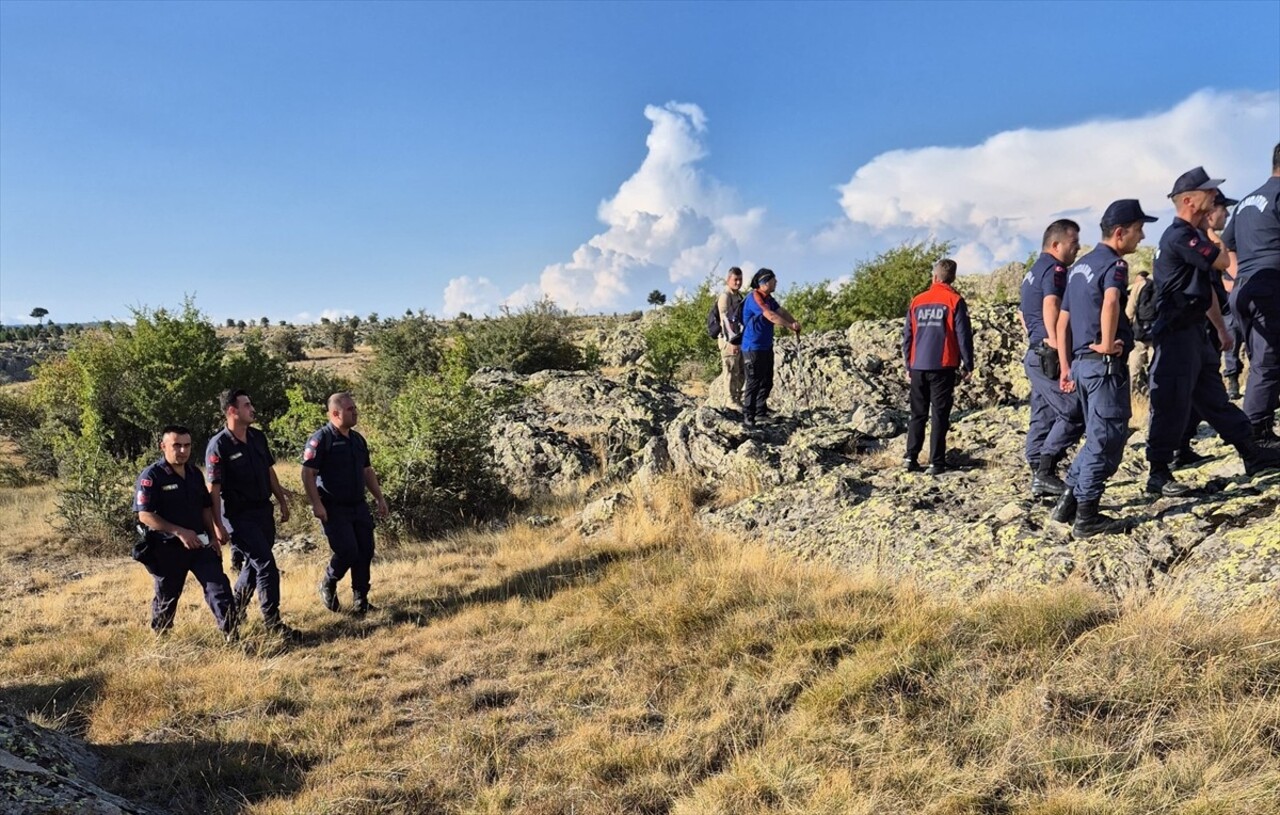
[
  {"x": 242, "y": 469},
  {"x": 1254, "y": 231},
  {"x": 1183, "y": 273},
  {"x": 179, "y": 499},
  {"x": 1047, "y": 277},
  {"x": 340, "y": 462},
  {"x": 1087, "y": 285},
  {"x": 757, "y": 331}
]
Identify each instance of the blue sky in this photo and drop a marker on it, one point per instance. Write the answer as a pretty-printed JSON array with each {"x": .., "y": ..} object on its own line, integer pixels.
[{"x": 299, "y": 159}]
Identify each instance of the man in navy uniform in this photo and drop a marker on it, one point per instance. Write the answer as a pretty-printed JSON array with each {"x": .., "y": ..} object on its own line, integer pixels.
[
  {"x": 1094, "y": 342},
  {"x": 1056, "y": 422},
  {"x": 241, "y": 483},
  {"x": 336, "y": 471},
  {"x": 1223, "y": 283},
  {"x": 1253, "y": 236},
  {"x": 175, "y": 511},
  {"x": 937, "y": 340},
  {"x": 1184, "y": 370}
]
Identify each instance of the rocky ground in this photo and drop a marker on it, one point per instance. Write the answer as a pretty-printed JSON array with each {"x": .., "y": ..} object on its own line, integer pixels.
[{"x": 823, "y": 479}]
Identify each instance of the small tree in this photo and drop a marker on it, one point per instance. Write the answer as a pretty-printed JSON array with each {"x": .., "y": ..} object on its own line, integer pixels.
[
  {"x": 38, "y": 314},
  {"x": 657, "y": 298},
  {"x": 264, "y": 322}
]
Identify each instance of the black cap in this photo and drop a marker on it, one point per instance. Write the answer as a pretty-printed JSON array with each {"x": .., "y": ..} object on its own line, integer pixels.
[
  {"x": 1125, "y": 211},
  {"x": 1196, "y": 179},
  {"x": 1224, "y": 201}
]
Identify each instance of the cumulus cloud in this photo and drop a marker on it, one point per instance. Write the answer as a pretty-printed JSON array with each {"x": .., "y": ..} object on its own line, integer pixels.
[
  {"x": 334, "y": 314},
  {"x": 671, "y": 221},
  {"x": 472, "y": 295},
  {"x": 994, "y": 199}
]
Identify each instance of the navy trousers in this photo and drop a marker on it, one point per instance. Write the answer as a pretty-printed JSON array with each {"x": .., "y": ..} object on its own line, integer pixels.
[
  {"x": 350, "y": 534},
  {"x": 1056, "y": 421},
  {"x": 1256, "y": 304},
  {"x": 932, "y": 395},
  {"x": 1231, "y": 359},
  {"x": 757, "y": 367},
  {"x": 253, "y": 533},
  {"x": 1184, "y": 375},
  {"x": 169, "y": 563},
  {"x": 1103, "y": 388}
]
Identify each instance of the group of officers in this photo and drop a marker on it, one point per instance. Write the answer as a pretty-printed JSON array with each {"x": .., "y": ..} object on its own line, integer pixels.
[
  {"x": 185, "y": 518},
  {"x": 1080, "y": 336},
  {"x": 1079, "y": 326}
]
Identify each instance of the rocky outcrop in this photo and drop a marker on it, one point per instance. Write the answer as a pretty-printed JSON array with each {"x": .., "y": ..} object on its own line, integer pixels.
[
  {"x": 572, "y": 426},
  {"x": 823, "y": 478},
  {"x": 43, "y": 772}
]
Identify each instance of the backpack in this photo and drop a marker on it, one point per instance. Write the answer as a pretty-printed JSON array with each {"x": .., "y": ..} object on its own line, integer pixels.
[
  {"x": 735, "y": 322},
  {"x": 1145, "y": 312}
]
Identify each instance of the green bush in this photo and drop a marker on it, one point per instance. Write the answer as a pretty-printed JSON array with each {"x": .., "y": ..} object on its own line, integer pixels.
[
  {"x": 878, "y": 289},
  {"x": 432, "y": 452},
  {"x": 679, "y": 336},
  {"x": 21, "y": 421},
  {"x": 286, "y": 343},
  {"x": 403, "y": 348},
  {"x": 95, "y": 494},
  {"x": 263, "y": 374},
  {"x": 290, "y": 430},
  {"x": 538, "y": 337}
]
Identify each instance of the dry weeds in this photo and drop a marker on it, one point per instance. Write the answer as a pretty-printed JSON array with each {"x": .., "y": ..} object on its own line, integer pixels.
[{"x": 657, "y": 668}]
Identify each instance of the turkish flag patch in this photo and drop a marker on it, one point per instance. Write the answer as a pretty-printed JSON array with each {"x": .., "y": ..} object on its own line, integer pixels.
[
  {"x": 146, "y": 482},
  {"x": 213, "y": 458},
  {"x": 309, "y": 454}
]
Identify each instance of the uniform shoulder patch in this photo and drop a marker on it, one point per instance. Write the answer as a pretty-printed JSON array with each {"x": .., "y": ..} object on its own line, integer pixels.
[
  {"x": 1058, "y": 267},
  {"x": 313, "y": 442},
  {"x": 146, "y": 482},
  {"x": 213, "y": 458}
]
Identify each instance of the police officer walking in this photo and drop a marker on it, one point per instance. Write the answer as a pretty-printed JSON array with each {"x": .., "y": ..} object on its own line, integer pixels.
[
  {"x": 937, "y": 340},
  {"x": 336, "y": 471},
  {"x": 241, "y": 483},
  {"x": 1095, "y": 339},
  {"x": 1223, "y": 283},
  {"x": 1056, "y": 422},
  {"x": 1253, "y": 236},
  {"x": 1184, "y": 370},
  {"x": 176, "y": 518}
]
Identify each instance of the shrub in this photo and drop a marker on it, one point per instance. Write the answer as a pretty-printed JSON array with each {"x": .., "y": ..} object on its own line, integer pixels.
[
  {"x": 538, "y": 337},
  {"x": 95, "y": 494},
  {"x": 21, "y": 421},
  {"x": 286, "y": 343},
  {"x": 263, "y": 374},
  {"x": 403, "y": 348},
  {"x": 290, "y": 430},
  {"x": 679, "y": 335},
  {"x": 432, "y": 452}
]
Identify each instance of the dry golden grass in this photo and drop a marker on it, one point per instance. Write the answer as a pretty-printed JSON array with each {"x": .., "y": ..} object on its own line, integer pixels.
[{"x": 657, "y": 668}]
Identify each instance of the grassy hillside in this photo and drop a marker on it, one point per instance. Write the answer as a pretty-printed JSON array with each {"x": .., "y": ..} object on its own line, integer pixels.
[{"x": 655, "y": 668}]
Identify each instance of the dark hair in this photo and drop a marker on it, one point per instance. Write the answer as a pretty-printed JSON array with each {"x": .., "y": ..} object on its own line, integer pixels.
[
  {"x": 175, "y": 429},
  {"x": 230, "y": 397},
  {"x": 1275, "y": 159},
  {"x": 1107, "y": 229},
  {"x": 945, "y": 269},
  {"x": 734, "y": 270},
  {"x": 762, "y": 276},
  {"x": 1060, "y": 229}
]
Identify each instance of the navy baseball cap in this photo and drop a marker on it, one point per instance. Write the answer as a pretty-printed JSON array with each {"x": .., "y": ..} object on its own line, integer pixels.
[
  {"x": 1196, "y": 179},
  {"x": 1224, "y": 201},
  {"x": 1125, "y": 211}
]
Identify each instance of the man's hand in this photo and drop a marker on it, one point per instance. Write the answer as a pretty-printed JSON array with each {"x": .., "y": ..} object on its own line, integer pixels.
[
  {"x": 383, "y": 509},
  {"x": 965, "y": 376},
  {"x": 795, "y": 326},
  {"x": 188, "y": 538},
  {"x": 1225, "y": 340},
  {"x": 220, "y": 533},
  {"x": 1116, "y": 349},
  {"x": 1065, "y": 383},
  {"x": 284, "y": 509},
  {"x": 322, "y": 514}
]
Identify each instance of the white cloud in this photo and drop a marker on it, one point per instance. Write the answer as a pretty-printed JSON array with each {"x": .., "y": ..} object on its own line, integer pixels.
[
  {"x": 671, "y": 221},
  {"x": 994, "y": 199},
  {"x": 473, "y": 295},
  {"x": 334, "y": 314}
]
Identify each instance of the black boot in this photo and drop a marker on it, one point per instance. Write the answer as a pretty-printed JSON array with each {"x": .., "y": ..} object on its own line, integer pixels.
[
  {"x": 1233, "y": 386},
  {"x": 329, "y": 594},
  {"x": 1161, "y": 482},
  {"x": 1064, "y": 512},
  {"x": 1044, "y": 482},
  {"x": 1187, "y": 457},
  {"x": 1264, "y": 436},
  {"x": 360, "y": 604},
  {"x": 1258, "y": 458},
  {"x": 1090, "y": 522}
]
